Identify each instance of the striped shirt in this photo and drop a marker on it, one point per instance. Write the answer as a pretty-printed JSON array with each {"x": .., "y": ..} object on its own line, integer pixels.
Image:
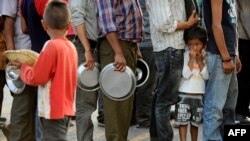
[
  {"x": 164, "y": 16},
  {"x": 122, "y": 16}
]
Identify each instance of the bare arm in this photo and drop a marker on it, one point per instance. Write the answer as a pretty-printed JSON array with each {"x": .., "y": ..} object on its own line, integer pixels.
[
  {"x": 81, "y": 33},
  {"x": 120, "y": 62},
  {"x": 9, "y": 32},
  {"x": 216, "y": 6},
  {"x": 192, "y": 20},
  {"x": 24, "y": 25}
]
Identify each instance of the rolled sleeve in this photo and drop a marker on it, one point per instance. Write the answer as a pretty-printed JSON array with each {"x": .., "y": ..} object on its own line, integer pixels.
[
  {"x": 78, "y": 11},
  {"x": 186, "y": 73},
  {"x": 106, "y": 17},
  {"x": 168, "y": 26}
]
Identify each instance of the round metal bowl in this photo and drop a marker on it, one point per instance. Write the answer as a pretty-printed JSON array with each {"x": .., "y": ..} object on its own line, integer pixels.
[
  {"x": 14, "y": 83},
  {"x": 88, "y": 80},
  {"x": 142, "y": 72},
  {"x": 117, "y": 85}
]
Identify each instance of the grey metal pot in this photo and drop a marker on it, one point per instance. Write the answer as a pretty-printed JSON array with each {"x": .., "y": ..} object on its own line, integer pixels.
[
  {"x": 142, "y": 72},
  {"x": 14, "y": 83},
  {"x": 88, "y": 80}
]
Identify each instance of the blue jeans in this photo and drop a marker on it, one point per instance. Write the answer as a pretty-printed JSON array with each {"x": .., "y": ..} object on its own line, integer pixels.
[
  {"x": 86, "y": 103},
  {"x": 38, "y": 128},
  {"x": 169, "y": 64},
  {"x": 220, "y": 99}
]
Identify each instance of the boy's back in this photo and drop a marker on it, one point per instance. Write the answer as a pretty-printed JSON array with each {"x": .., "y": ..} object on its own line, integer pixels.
[{"x": 56, "y": 67}]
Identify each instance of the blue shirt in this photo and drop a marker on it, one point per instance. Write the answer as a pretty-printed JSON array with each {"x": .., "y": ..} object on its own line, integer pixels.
[{"x": 38, "y": 35}]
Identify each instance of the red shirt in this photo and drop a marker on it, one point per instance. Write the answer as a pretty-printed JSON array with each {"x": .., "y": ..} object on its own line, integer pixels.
[{"x": 55, "y": 71}]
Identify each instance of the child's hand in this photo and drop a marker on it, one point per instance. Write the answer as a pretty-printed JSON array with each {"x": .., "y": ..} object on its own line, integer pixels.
[
  {"x": 192, "y": 54},
  {"x": 199, "y": 57},
  {"x": 16, "y": 64}
]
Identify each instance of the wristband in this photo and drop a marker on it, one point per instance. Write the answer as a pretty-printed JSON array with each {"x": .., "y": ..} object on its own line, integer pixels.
[{"x": 227, "y": 60}]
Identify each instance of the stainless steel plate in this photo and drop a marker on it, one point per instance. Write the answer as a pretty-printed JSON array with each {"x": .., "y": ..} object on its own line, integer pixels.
[
  {"x": 14, "y": 83},
  {"x": 117, "y": 85},
  {"x": 142, "y": 72},
  {"x": 88, "y": 80}
]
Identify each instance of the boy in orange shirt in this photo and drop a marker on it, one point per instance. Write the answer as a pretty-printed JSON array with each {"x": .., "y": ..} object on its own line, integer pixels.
[{"x": 55, "y": 73}]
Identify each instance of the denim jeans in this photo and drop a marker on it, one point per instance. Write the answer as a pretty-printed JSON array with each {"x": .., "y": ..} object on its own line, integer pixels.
[
  {"x": 86, "y": 103},
  {"x": 38, "y": 127},
  {"x": 169, "y": 64},
  {"x": 219, "y": 100}
]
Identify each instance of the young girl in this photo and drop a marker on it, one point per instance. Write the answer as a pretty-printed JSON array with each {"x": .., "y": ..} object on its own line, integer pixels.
[{"x": 192, "y": 86}]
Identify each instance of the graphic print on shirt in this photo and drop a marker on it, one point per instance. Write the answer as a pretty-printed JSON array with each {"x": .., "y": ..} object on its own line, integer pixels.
[{"x": 232, "y": 10}]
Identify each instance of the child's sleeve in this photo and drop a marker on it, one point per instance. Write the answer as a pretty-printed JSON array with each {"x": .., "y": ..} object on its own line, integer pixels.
[
  {"x": 186, "y": 72},
  {"x": 204, "y": 72},
  {"x": 42, "y": 70}
]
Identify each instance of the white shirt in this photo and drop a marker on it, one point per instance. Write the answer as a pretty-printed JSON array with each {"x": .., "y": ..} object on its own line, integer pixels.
[
  {"x": 11, "y": 8},
  {"x": 164, "y": 16},
  {"x": 193, "y": 81}
]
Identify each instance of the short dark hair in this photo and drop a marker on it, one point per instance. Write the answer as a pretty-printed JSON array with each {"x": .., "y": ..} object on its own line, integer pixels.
[
  {"x": 196, "y": 32},
  {"x": 57, "y": 14}
]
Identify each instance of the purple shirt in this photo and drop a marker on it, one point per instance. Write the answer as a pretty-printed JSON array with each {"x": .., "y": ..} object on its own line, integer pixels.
[{"x": 122, "y": 16}]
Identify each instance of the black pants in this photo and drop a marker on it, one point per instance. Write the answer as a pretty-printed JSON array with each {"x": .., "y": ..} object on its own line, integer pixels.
[
  {"x": 23, "y": 112},
  {"x": 244, "y": 79},
  {"x": 144, "y": 94},
  {"x": 2, "y": 84}
]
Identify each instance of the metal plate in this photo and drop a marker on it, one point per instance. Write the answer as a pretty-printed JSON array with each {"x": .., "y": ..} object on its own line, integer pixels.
[
  {"x": 14, "y": 83},
  {"x": 115, "y": 84},
  {"x": 88, "y": 80},
  {"x": 142, "y": 72}
]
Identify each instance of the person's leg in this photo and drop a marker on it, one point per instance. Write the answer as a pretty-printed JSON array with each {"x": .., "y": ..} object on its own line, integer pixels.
[
  {"x": 55, "y": 130},
  {"x": 196, "y": 104},
  {"x": 117, "y": 114},
  {"x": 194, "y": 132},
  {"x": 2, "y": 84},
  {"x": 215, "y": 98},
  {"x": 144, "y": 94},
  {"x": 22, "y": 117},
  {"x": 183, "y": 132},
  {"x": 183, "y": 115},
  {"x": 242, "y": 107},
  {"x": 169, "y": 65},
  {"x": 38, "y": 128},
  {"x": 229, "y": 107},
  {"x": 100, "y": 116},
  {"x": 86, "y": 103}
]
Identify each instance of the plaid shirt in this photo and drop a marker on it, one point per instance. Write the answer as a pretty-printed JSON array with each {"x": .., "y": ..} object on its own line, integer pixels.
[{"x": 122, "y": 16}]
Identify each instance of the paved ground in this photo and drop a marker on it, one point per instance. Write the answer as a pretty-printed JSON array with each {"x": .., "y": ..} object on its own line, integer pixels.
[{"x": 135, "y": 134}]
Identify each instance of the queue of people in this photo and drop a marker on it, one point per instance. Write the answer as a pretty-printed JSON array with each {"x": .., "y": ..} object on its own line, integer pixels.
[{"x": 193, "y": 59}]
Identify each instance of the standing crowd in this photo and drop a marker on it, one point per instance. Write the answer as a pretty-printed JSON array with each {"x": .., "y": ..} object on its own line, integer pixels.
[{"x": 196, "y": 52}]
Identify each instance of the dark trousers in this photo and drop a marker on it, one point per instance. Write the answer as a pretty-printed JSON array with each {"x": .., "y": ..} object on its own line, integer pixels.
[
  {"x": 2, "y": 84},
  {"x": 23, "y": 112},
  {"x": 244, "y": 79},
  {"x": 117, "y": 114},
  {"x": 144, "y": 94},
  {"x": 55, "y": 129}
]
